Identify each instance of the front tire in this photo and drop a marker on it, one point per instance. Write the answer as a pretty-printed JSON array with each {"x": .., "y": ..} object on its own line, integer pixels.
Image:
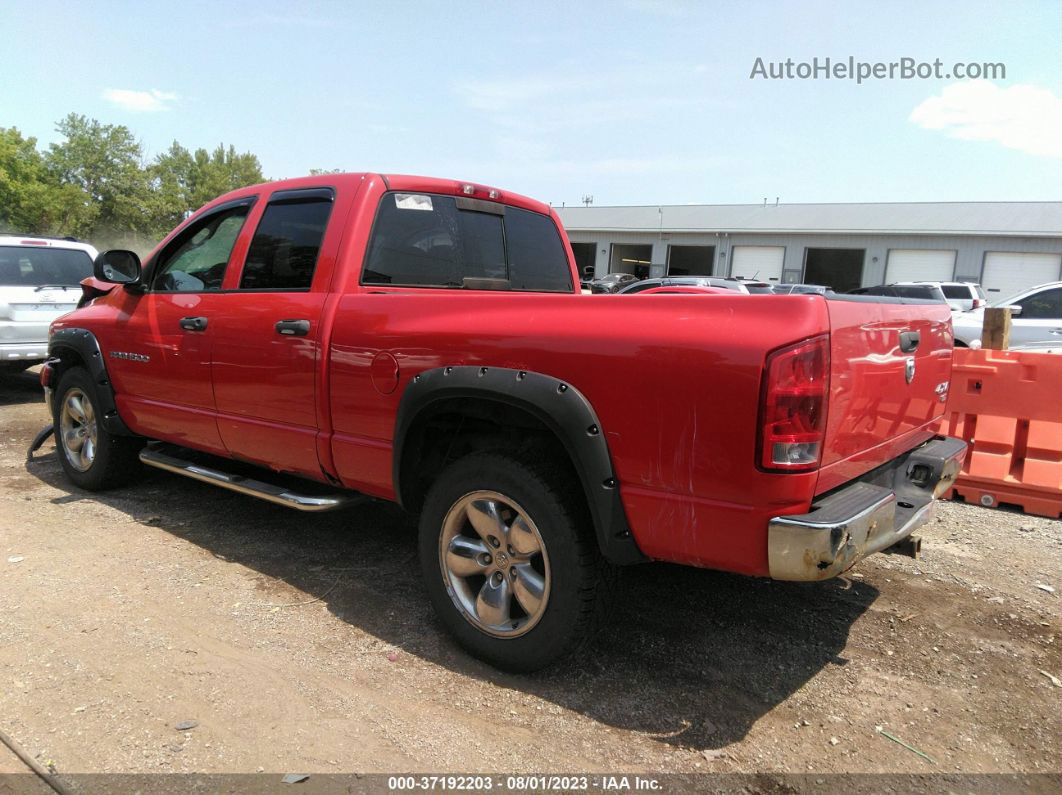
[
  {"x": 510, "y": 562},
  {"x": 93, "y": 458}
]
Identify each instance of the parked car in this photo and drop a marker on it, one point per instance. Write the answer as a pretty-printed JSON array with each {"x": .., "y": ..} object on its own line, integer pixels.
[
  {"x": 686, "y": 281},
  {"x": 800, "y": 289},
  {"x": 918, "y": 292},
  {"x": 961, "y": 296},
  {"x": 39, "y": 281},
  {"x": 612, "y": 282},
  {"x": 1036, "y": 317},
  {"x": 424, "y": 341}
]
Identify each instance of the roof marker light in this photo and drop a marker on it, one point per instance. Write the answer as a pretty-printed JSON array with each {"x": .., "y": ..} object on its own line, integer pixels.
[{"x": 468, "y": 190}]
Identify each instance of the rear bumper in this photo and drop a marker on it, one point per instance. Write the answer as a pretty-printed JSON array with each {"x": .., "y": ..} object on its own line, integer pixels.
[
  {"x": 866, "y": 516},
  {"x": 24, "y": 351}
]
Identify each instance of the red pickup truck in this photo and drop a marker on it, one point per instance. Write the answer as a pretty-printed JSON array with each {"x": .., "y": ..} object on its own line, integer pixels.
[{"x": 425, "y": 341}]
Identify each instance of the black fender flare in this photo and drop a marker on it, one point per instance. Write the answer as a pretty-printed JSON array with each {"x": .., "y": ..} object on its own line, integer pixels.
[
  {"x": 560, "y": 407},
  {"x": 86, "y": 347}
]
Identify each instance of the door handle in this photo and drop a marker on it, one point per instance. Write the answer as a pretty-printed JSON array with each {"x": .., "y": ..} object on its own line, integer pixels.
[
  {"x": 194, "y": 323},
  {"x": 293, "y": 328},
  {"x": 1055, "y": 331},
  {"x": 909, "y": 341}
]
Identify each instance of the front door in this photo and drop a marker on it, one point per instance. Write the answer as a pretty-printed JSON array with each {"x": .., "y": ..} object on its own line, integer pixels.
[
  {"x": 159, "y": 351},
  {"x": 267, "y": 344},
  {"x": 1040, "y": 319}
]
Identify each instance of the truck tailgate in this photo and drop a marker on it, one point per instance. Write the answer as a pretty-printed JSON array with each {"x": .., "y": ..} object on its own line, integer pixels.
[{"x": 883, "y": 400}]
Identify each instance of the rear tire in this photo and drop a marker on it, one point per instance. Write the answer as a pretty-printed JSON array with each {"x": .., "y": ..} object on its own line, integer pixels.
[
  {"x": 93, "y": 458},
  {"x": 510, "y": 562}
]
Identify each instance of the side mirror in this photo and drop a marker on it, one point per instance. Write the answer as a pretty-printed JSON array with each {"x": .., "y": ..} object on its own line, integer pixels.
[
  {"x": 1015, "y": 310},
  {"x": 117, "y": 266}
]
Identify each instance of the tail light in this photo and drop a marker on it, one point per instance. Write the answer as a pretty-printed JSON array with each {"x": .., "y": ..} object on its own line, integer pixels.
[
  {"x": 793, "y": 408},
  {"x": 977, "y": 302}
]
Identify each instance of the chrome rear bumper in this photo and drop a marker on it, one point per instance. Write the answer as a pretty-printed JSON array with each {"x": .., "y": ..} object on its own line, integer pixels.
[{"x": 864, "y": 517}]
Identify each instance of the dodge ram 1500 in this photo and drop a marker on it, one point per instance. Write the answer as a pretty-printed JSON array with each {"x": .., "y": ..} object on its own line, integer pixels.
[{"x": 425, "y": 341}]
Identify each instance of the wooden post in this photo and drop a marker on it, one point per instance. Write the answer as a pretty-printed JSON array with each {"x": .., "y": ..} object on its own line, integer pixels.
[{"x": 995, "y": 334}]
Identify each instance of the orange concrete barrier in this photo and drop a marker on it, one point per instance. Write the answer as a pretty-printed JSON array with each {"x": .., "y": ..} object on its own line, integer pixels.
[{"x": 1007, "y": 405}]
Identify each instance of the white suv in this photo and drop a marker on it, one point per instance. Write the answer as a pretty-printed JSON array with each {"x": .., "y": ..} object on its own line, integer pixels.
[
  {"x": 1036, "y": 318},
  {"x": 961, "y": 296},
  {"x": 39, "y": 281}
]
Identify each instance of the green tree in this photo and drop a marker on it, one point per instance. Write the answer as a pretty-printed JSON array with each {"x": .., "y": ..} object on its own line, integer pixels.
[
  {"x": 103, "y": 161},
  {"x": 31, "y": 199},
  {"x": 183, "y": 181}
]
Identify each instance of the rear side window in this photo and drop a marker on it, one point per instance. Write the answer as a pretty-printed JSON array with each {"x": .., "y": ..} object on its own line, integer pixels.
[
  {"x": 422, "y": 240},
  {"x": 537, "y": 260},
  {"x": 959, "y": 291},
  {"x": 284, "y": 250},
  {"x": 35, "y": 267}
]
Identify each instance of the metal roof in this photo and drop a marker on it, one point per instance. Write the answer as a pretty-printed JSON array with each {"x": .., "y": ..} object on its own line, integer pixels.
[{"x": 1024, "y": 219}]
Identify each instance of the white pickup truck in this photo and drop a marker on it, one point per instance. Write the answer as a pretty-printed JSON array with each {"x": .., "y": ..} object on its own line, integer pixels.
[{"x": 39, "y": 281}]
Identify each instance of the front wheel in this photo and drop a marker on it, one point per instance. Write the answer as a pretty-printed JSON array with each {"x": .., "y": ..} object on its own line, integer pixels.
[
  {"x": 510, "y": 562},
  {"x": 92, "y": 457}
]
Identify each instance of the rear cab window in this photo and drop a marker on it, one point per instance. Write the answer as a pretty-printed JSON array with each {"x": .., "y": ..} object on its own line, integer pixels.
[{"x": 432, "y": 240}]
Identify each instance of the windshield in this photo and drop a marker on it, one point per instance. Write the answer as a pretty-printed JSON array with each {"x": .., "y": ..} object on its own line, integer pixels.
[{"x": 24, "y": 266}]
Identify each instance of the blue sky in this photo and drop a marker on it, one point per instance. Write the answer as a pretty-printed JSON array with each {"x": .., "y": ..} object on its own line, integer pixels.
[{"x": 635, "y": 102}]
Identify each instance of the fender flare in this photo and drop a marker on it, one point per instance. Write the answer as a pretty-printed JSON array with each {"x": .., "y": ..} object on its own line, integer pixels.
[
  {"x": 560, "y": 407},
  {"x": 84, "y": 344}
]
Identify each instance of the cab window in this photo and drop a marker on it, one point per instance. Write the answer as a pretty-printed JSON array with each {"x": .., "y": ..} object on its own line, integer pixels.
[
  {"x": 428, "y": 240},
  {"x": 1042, "y": 306},
  {"x": 195, "y": 261},
  {"x": 285, "y": 247}
]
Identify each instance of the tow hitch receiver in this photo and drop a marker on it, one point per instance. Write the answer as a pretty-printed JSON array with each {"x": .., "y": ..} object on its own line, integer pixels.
[{"x": 910, "y": 546}]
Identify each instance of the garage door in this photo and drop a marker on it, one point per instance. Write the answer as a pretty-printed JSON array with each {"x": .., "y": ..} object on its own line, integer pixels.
[
  {"x": 757, "y": 262},
  {"x": 920, "y": 265},
  {"x": 1007, "y": 273}
]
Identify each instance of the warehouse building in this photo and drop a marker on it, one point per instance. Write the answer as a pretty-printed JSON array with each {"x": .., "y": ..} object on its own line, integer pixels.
[{"x": 1006, "y": 246}]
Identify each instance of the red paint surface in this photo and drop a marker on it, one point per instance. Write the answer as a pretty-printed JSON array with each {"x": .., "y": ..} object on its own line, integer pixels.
[{"x": 675, "y": 380}]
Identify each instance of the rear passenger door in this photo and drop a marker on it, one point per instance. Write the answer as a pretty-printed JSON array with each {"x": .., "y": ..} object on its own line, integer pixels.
[{"x": 267, "y": 344}]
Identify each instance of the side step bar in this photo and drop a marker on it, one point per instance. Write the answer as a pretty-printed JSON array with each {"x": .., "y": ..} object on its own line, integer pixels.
[{"x": 154, "y": 456}]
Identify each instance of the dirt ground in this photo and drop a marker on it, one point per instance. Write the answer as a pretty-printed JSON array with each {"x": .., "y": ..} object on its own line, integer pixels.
[{"x": 305, "y": 643}]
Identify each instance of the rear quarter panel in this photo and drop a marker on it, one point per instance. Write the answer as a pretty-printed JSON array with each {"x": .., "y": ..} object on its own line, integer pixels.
[{"x": 674, "y": 379}]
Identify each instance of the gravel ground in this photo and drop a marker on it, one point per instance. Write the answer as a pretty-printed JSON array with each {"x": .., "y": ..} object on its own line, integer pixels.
[{"x": 305, "y": 643}]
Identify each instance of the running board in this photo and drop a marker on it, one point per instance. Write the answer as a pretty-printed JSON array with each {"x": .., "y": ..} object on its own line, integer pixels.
[{"x": 153, "y": 456}]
